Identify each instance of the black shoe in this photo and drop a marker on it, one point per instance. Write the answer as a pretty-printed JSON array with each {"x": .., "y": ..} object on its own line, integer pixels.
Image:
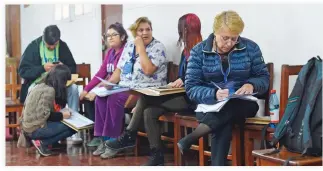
[
  {"x": 126, "y": 140},
  {"x": 156, "y": 158},
  {"x": 42, "y": 149}
]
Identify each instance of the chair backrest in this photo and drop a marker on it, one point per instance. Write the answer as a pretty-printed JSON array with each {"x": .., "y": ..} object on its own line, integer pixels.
[
  {"x": 12, "y": 85},
  {"x": 270, "y": 67},
  {"x": 84, "y": 72},
  {"x": 172, "y": 72},
  {"x": 286, "y": 71}
]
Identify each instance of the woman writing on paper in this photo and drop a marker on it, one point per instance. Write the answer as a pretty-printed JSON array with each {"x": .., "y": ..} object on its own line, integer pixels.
[
  {"x": 40, "y": 121},
  {"x": 117, "y": 38},
  {"x": 236, "y": 65},
  {"x": 150, "y": 108},
  {"x": 142, "y": 64}
]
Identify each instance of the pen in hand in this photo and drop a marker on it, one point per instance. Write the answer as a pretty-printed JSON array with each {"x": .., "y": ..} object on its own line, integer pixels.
[{"x": 216, "y": 85}]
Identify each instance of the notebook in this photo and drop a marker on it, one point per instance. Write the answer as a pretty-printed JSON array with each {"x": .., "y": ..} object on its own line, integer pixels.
[
  {"x": 74, "y": 79},
  {"x": 259, "y": 120},
  {"x": 157, "y": 91},
  {"x": 77, "y": 121},
  {"x": 103, "y": 92}
]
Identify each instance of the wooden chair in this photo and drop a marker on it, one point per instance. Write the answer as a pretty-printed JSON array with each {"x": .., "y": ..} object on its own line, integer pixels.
[
  {"x": 84, "y": 72},
  {"x": 169, "y": 117},
  {"x": 252, "y": 132},
  {"x": 13, "y": 105},
  {"x": 279, "y": 158},
  {"x": 190, "y": 121}
]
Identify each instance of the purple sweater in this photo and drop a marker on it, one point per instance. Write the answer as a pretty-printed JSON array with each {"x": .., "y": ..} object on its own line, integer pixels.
[{"x": 108, "y": 66}]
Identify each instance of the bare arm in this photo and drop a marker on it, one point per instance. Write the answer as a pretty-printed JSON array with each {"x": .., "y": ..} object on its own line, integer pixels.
[
  {"x": 147, "y": 66},
  {"x": 115, "y": 77}
]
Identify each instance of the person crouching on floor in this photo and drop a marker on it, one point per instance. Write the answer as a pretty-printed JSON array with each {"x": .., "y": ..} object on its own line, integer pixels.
[{"x": 41, "y": 123}]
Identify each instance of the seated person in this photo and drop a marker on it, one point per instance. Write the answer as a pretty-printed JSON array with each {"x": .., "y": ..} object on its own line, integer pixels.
[
  {"x": 40, "y": 122},
  {"x": 236, "y": 64},
  {"x": 150, "y": 108},
  {"x": 117, "y": 38},
  {"x": 40, "y": 56},
  {"x": 142, "y": 64}
]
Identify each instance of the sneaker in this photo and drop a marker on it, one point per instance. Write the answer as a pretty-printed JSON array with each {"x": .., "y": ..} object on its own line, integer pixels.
[
  {"x": 108, "y": 153},
  {"x": 99, "y": 150},
  {"x": 156, "y": 158},
  {"x": 75, "y": 139},
  {"x": 96, "y": 141},
  {"x": 42, "y": 149},
  {"x": 126, "y": 140}
]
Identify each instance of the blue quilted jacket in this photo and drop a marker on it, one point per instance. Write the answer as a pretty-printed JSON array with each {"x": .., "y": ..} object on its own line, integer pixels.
[{"x": 246, "y": 65}]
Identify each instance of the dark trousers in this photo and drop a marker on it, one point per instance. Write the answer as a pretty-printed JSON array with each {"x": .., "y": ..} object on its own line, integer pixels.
[
  {"x": 234, "y": 112},
  {"x": 52, "y": 133},
  {"x": 89, "y": 109},
  {"x": 150, "y": 108},
  {"x": 89, "y": 112}
]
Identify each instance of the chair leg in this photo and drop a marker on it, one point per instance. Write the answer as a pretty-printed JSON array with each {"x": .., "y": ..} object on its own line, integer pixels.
[
  {"x": 248, "y": 146},
  {"x": 202, "y": 157},
  {"x": 180, "y": 160},
  {"x": 137, "y": 146},
  {"x": 236, "y": 147},
  {"x": 176, "y": 150}
]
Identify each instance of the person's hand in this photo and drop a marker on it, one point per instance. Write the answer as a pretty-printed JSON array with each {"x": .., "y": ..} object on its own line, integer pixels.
[
  {"x": 48, "y": 66},
  {"x": 245, "y": 89},
  {"x": 139, "y": 42},
  {"x": 83, "y": 94},
  {"x": 108, "y": 87},
  {"x": 101, "y": 84},
  {"x": 133, "y": 110},
  {"x": 221, "y": 94},
  {"x": 177, "y": 84},
  {"x": 66, "y": 114},
  {"x": 90, "y": 96}
]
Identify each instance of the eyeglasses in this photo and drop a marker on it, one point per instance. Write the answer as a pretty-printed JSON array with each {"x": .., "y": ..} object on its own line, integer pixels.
[
  {"x": 112, "y": 35},
  {"x": 227, "y": 39}
]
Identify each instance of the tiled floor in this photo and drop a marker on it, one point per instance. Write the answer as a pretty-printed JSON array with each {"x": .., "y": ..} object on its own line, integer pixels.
[{"x": 73, "y": 155}]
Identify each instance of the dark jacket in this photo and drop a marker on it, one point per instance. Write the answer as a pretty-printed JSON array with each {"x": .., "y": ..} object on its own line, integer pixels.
[
  {"x": 246, "y": 65},
  {"x": 30, "y": 67}
]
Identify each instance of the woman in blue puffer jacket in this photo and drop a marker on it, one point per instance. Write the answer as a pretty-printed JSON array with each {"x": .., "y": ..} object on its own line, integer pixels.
[{"x": 223, "y": 64}]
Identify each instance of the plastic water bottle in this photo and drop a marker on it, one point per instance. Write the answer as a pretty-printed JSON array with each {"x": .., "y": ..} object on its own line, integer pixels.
[{"x": 274, "y": 109}]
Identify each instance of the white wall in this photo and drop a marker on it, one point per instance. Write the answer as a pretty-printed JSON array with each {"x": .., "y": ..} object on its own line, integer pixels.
[
  {"x": 83, "y": 35},
  {"x": 286, "y": 34}
]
